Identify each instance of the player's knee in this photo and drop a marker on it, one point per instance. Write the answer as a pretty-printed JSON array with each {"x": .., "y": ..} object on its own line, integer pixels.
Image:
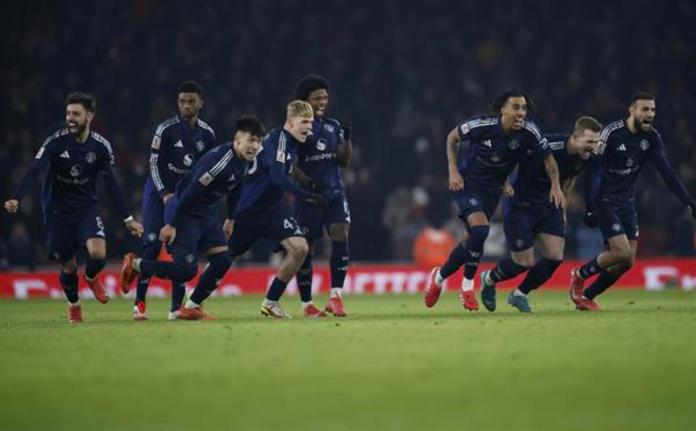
[
  {"x": 220, "y": 263},
  {"x": 299, "y": 249},
  {"x": 527, "y": 261},
  {"x": 339, "y": 232},
  {"x": 184, "y": 272},
  {"x": 624, "y": 256},
  {"x": 98, "y": 254},
  {"x": 151, "y": 250},
  {"x": 479, "y": 233},
  {"x": 69, "y": 266}
]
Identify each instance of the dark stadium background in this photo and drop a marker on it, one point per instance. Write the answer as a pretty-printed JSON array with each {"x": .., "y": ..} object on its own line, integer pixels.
[{"x": 403, "y": 74}]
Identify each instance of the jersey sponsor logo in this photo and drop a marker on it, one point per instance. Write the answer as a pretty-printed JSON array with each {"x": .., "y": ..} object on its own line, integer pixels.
[
  {"x": 64, "y": 155},
  {"x": 90, "y": 157},
  {"x": 495, "y": 158},
  {"x": 75, "y": 170},
  {"x": 178, "y": 144},
  {"x": 629, "y": 162},
  {"x": 622, "y": 147},
  {"x": 644, "y": 145},
  {"x": 155, "y": 143},
  {"x": 514, "y": 144},
  {"x": 200, "y": 146},
  {"x": 487, "y": 143},
  {"x": 321, "y": 144},
  {"x": 188, "y": 160},
  {"x": 329, "y": 128},
  {"x": 206, "y": 179}
]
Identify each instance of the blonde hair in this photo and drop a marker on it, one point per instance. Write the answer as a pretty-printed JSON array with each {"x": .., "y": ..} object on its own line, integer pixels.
[{"x": 300, "y": 108}]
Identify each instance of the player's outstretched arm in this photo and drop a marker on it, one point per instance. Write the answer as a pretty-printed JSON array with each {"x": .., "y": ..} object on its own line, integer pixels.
[
  {"x": 345, "y": 150},
  {"x": 556, "y": 194},
  {"x": 113, "y": 189},
  {"x": 456, "y": 182},
  {"x": 38, "y": 166}
]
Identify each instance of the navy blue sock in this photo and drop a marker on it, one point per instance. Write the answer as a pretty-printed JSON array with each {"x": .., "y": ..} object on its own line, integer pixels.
[
  {"x": 304, "y": 279},
  {"x": 210, "y": 279},
  {"x": 474, "y": 249},
  {"x": 506, "y": 269},
  {"x": 94, "y": 267},
  {"x": 339, "y": 262},
  {"x": 178, "y": 293},
  {"x": 276, "y": 290},
  {"x": 455, "y": 260},
  {"x": 150, "y": 251},
  {"x": 68, "y": 282},
  {"x": 589, "y": 269},
  {"x": 538, "y": 274},
  {"x": 175, "y": 271},
  {"x": 602, "y": 283}
]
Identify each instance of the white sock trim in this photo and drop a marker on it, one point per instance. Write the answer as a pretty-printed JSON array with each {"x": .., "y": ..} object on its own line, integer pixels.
[
  {"x": 467, "y": 285},
  {"x": 336, "y": 292},
  {"x": 190, "y": 304}
]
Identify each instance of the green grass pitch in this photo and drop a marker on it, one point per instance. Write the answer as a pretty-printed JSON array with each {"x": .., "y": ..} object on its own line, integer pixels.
[{"x": 391, "y": 365}]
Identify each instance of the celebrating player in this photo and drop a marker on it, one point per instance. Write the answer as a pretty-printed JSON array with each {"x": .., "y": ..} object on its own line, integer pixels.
[
  {"x": 626, "y": 145},
  {"x": 318, "y": 159},
  {"x": 75, "y": 156},
  {"x": 497, "y": 144},
  {"x": 261, "y": 212},
  {"x": 530, "y": 216},
  {"x": 177, "y": 144},
  {"x": 192, "y": 223}
]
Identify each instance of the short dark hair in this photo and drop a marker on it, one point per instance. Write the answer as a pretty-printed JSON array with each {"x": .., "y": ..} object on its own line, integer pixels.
[
  {"x": 587, "y": 123},
  {"x": 191, "y": 87},
  {"x": 310, "y": 83},
  {"x": 250, "y": 124},
  {"x": 84, "y": 99},
  {"x": 501, "y": 100},
  {"x": 642, "y": 95}
]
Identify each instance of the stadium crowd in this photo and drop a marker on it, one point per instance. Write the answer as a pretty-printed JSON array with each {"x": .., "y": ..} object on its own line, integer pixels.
[{"x": 403, "y": 76}]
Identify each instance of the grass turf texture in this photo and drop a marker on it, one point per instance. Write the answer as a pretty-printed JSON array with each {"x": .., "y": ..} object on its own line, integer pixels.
[{"x": 393, "y": 364}]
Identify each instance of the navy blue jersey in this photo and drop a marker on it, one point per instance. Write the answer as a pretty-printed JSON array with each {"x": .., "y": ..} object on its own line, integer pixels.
[
  {"x": 623, "y": 155},
  {"x": 492, "y": 154},
  {"x": 269, "y": 176},
  {"x": 73, "y": 168},
  {"x": 317, "y": 157},
  {"x": 217, "y": 174},
  {"x": 175, "y": 148},
  {"x": 532, "y": 184}
]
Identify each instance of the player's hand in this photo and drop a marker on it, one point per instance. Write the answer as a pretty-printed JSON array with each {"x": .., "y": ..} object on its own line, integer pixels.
[
  {"x": 11, "y": 205},
  {"x": 228, "y": 228},
  {"x": 556, "y": 196},
  {"x": 456, "y": 182},
  {"x": 135, "y": 228},
  {"x": 167, "y": 234},
  {"x": 318, "y": 200},
  {"x": 508, "y": 190},
  {"x": 590, "y": 218},
  {"x": 166, "y": 197},
  {"x": 347, "y": 132}
]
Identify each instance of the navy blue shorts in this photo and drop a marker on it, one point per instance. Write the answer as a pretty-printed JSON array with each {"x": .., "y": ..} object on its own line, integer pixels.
[
  {"x": 153, "y": 217},
  {"x": 313, "y": 220},
  {"x": 471, "y": 200},
  {"x": 522, "y": 225},
  {"x": 276, "y": 226},
  {"x": 64, "y": 234},
  {"x": 194, "y": 235},
  {"x": 617, "y": 218}
]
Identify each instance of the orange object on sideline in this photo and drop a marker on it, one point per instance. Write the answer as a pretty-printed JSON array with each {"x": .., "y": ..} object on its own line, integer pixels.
[{"x": 432, "y": 246}]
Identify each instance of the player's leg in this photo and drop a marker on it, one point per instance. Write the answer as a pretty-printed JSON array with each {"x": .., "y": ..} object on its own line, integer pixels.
[
  {"x": 91, "y": 234},
  {"x": 309, "y": 217},
  {"x": 340, "y": 258},
  {"x": 60, "y": 238},
  {"x": 552, "y": 246},
  {"x": 153, "y": 220},
  {"x": 69, "y": 282},
  {"x": 296, "y": 250}
]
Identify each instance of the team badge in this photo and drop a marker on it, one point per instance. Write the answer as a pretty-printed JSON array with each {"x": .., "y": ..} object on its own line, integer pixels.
[
  {"x": 188, "y": 160},
  {"x": 151, "y": 237},
  {"x": 519, "y": 243},
  {"x": 90, "y": 157},
  {"x": 75, "y": 170},
  {"x": 473, "y": 201},
  {"x": 616, "y": 227},
  {"x": 200, "y": 146},
  {"x": 644, "y": 145},
  {"x": 329, "y": 128},
  {"x": 190, "y": 258},
  {"x": 321, "y": 144},
  {"x": 514, "y": 144}
]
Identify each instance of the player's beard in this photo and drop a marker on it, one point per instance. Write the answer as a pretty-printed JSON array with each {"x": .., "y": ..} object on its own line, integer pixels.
[
  {"x": 638, "y": 124},
  {"x": 80, "y": 128}
]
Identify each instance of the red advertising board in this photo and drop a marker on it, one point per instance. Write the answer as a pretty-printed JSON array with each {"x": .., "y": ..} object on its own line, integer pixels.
[{"x": 652, "y": 274}]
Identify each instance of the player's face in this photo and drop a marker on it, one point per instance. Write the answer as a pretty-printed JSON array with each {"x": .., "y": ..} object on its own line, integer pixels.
[
  {"x": 643, "y": 113},
  {"x": 301, "y": 127},
  {"x": 189, "y": 104},
  {"x": 585, "y": 143},
  {"x": 514, "y": 112},
  {"x": 246, "y": 145},
  {"x": 77, "y": 118},
  {"x": 319, "y": 99}
]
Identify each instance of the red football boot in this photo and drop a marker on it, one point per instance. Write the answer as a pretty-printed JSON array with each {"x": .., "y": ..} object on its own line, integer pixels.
[
  {"x": 74, "y": 314},
  {"x": 127, "y": 274},
  {"x": 98, "y": 289},
  {"x": 313, "y": 312},
  {"x": 335, "y": 307},
  {"x": 140, "y": 311},
  {"x": 194, "y": 314},
  {"x": 585, "y": 304},
  {"x": 432, "y": 292},
  {"x": 468, "y": 300},
  {"x": 576, "y": 286}
]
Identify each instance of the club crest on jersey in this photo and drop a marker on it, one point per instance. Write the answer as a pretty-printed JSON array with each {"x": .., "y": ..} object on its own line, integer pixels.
[
  {"x": 473, "y": 201},
  {"x": 90, "y": 157},
  {"x": 188, "y": 160},
  {"x": 321, "y": 144},
  {"x": 200, "y": 146},
  {"x": 519, "y": 243},
  {"x": 75, "y": 170},
  {"x": 514, "y": 144},
  {"x": 151, "y": 237},
  {"x": 644, "y": 145},
  {"x": 329, "y": 128}
]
